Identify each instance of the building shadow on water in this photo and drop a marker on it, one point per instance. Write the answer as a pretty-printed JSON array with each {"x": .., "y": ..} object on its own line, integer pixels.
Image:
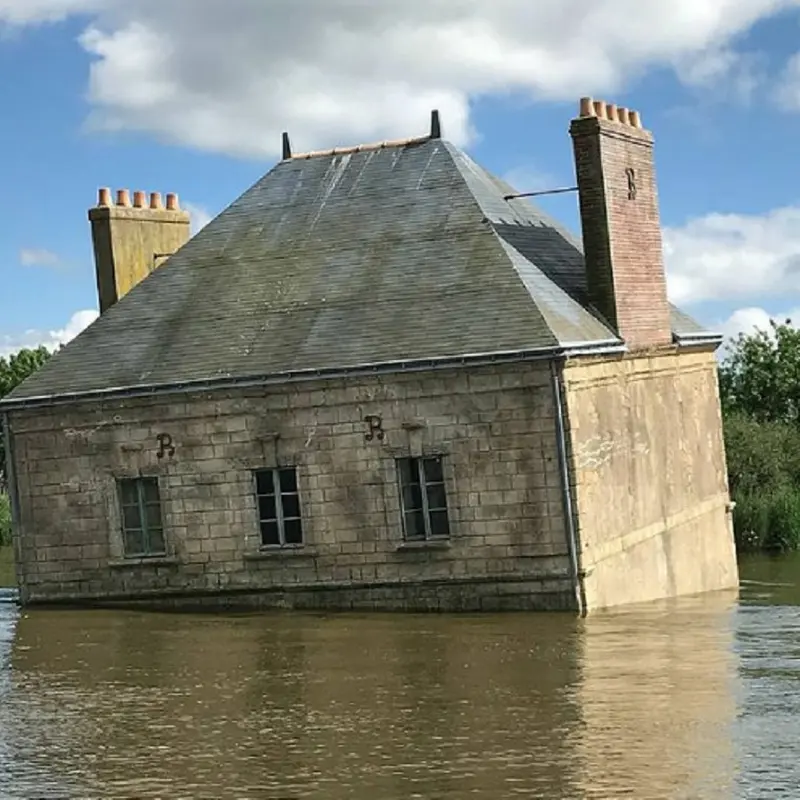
[{"x": 118, "y": 704}]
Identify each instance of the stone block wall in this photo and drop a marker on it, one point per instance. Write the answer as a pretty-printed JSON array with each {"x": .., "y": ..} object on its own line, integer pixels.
[
  {"x": 649, "y": 477},
  {"x": 494, "y": 427}
]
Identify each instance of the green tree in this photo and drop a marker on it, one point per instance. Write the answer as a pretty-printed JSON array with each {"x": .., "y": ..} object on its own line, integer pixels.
[
  {"x": 760, "y": 392},
  {"x": 13, "y": 370},
  {"x": 760, "y": 376}
]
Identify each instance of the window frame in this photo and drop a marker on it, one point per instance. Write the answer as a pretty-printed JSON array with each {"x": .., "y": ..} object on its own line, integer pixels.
[
  {"x": 280, "y": 517},
  {"x": 417, "y": 466},
  {"x": 139, "y": 484}
]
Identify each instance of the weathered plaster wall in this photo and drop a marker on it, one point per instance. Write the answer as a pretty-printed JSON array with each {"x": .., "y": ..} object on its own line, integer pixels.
[
  {"x": 494, "y": 425},
  {"x": 649, "y": 474}
]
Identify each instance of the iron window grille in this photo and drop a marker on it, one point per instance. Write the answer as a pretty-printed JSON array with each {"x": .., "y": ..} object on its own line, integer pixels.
[
  {"x": 278, "y": 500},
  {"x": 142, "y": 520},
  {"x": 423, "y": 498}
]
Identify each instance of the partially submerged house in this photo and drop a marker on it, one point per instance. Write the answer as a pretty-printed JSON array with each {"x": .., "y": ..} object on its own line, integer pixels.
[{"x": 380, "y": 379}]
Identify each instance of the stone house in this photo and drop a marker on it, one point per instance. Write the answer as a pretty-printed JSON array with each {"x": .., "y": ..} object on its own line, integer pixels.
[{"x": 380, "y": 379}]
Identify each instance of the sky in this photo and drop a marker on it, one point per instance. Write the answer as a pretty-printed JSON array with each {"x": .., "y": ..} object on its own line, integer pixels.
[{"x": 191, "y": 96}]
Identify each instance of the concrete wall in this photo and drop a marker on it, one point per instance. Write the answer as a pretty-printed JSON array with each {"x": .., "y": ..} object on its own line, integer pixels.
[
  {"x": 495, "y": 427},
  {"x": 649, "y": 475}
]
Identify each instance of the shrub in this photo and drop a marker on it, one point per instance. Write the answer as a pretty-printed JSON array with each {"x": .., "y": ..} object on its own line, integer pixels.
[
  {"x": 767, "y": 519},
  {"x": 5, "y": 520},
  {"x": 764, "y": 473},
  {"x": 784, "y": 520},
  {"x": 761, "y": 455}
]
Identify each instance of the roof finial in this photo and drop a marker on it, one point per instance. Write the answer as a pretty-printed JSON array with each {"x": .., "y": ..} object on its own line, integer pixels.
[
  {"x": 436, "y": 125},
  {"x": 287, "y": 146}
]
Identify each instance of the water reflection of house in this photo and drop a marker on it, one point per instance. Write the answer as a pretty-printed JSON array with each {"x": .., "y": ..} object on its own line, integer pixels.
[
  {"x": 640, "y": 704},
  {"x": 381, "y": 379}
]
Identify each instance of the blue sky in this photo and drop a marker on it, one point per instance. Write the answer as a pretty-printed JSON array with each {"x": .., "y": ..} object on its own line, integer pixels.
[{"x": 191, "y": 96}]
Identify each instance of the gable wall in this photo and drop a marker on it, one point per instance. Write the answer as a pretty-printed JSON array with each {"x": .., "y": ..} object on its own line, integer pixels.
[{"x": 649, "y": 477}]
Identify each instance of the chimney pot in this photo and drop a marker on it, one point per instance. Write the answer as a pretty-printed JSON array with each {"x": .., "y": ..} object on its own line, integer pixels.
[
  {"x": 123, "y": 198},
  {"x": 623, "y": 115},
  {"x": 634, "y": 119},
  {"x": 155, "y": 200},
  {"x": 611, "y": 112},
  {"x": 104, "y": 197},
  {"x": 139, "y": 200},
  {"x": 587, "y": 107},
  {"x": 172, "y": 202},
  {"x": 600, "y": 109}
]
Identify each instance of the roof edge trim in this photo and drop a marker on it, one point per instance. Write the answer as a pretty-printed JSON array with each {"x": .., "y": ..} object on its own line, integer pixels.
[
  {"x": 698, "y": 339},
  {"x": 606, "y": 347}
]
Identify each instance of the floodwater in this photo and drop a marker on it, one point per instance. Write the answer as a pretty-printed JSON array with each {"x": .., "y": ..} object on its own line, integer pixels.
[{"x": 692, "y": 699}]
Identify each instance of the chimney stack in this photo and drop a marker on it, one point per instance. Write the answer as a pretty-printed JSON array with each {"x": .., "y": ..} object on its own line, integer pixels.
[
  {"x": 620, "y": 222},
  {"x": 132, "y": 239}
]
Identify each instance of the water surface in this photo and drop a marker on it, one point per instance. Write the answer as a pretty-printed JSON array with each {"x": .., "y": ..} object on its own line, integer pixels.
[{"x": 696, "y": 698}]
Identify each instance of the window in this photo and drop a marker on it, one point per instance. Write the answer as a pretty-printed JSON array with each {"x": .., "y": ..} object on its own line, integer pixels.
[
  {"x": 423, "y": 498},
  {"x": 279, "y": 507},
  {"x": 142, "y": 525}
]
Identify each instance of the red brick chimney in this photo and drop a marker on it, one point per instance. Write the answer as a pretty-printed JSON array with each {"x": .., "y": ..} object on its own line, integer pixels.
[{"x": 620, "y": 221}]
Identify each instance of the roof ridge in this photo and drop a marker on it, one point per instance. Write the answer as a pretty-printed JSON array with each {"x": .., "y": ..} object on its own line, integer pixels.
[
  {"x": 435, "y": 133},
  {"x": 360, "y": 148}
]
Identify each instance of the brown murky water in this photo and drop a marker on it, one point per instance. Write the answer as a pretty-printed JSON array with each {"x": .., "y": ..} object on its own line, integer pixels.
[{"x": 693, "y": 699}]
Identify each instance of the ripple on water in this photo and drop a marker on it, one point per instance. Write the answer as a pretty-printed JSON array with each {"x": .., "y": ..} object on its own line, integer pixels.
[{"x": 683, "y": 700}]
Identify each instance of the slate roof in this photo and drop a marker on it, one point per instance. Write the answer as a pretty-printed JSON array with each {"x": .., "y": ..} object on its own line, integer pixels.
[{"x": 403, "y": 254}]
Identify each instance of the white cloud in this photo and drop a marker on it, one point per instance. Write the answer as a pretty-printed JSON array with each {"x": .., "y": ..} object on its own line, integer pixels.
[
  {"x": 732, "y": 256},
  {"x": 745, "y": 320},
  {"x": 200, "y": 215},
  {"x": 80, "y": 320},
  {"x": 731, "y": 75},
  {"x": 749, "y": 320},
  {"x": 787, "y": 92},
  {"x": 230, "y": 76},
  {"x": 27, "y": 12},
  {"x": 38, "y": 257},
  {"x": 529, "y": 178}
]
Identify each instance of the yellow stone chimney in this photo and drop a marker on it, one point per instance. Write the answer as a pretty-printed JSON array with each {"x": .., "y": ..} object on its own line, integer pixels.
[{"x": 133, "y": 239}]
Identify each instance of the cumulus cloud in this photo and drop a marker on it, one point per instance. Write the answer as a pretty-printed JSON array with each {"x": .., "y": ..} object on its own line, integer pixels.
[
  {"x": 27, "y": 12},
  {"x": 745, "y": 320},
  {"x": 787, "y": 92},
  {"x": 38, "y": 257},
  {"x": 200, "y": 216},
  {"x": 734, "y": 76},
  {"x": 749, "y": 320},
  {"x": 50, "y": 339},
  {"x": 732, "y": 256},
  {"x": 529, "y": 178},
  {"x": 230, "y": 76}
]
